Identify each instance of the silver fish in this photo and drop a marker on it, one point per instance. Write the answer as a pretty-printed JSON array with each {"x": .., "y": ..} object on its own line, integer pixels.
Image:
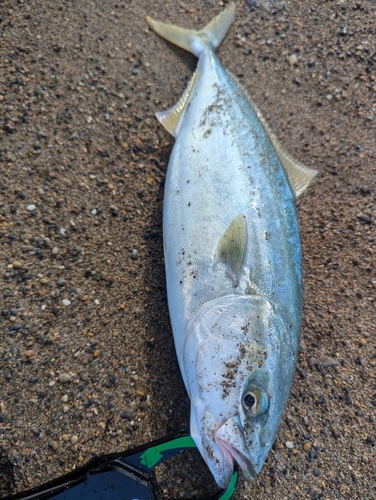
[{"x": 233, "y": 259}]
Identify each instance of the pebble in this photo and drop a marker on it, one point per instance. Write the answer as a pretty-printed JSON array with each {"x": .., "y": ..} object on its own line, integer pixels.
[
  {"x": 289, "y": 445},
  {"x": 66, "y": 302},
  {"x": 30, "y": 208},
  {"x": 365, "y": 190},
  {"x": 365, "y": 218},
  {"x": 330, "y": 363},
  {"x": 307, "y": 446},
  {"x": 93, "y": 211},
  {"x": 313, "y": 492},
  {"x": 30, "y": 354},
  {"x": 64, "y": 378},
  {"x": 127, "y": 415},
  {"x": 74, "y": 439},
  {"x": 8, "y": 127},
  {"x": 38, "y": 90},
  {"x": 55, "y": 445},
  {"x": 293, "y": 59},
  {"x": 65, "y": 437},
  {"x": 17, "y": 264},
  {"x": 55, "y": 251},
  {"x": 64, "y": 398}
]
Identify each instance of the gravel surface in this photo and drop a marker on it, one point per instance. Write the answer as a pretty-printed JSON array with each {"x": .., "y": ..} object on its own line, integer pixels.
[{"x": 87, "y": 361}]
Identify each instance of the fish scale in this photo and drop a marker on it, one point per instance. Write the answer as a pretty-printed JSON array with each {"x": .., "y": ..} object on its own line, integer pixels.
[{"x": 233, "y": 259}]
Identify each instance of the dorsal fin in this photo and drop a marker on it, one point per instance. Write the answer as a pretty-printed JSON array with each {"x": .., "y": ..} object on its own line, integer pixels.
[{"x": 298, "y": 174}]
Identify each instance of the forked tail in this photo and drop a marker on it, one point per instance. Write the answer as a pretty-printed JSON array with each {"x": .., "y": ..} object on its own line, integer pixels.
[{"x": 191, "y": 40}]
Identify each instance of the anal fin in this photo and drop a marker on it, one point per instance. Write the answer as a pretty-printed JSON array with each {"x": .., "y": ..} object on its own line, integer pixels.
[
  {"x": 231, "y": 248},
  {"x": 170, "y": 118}
]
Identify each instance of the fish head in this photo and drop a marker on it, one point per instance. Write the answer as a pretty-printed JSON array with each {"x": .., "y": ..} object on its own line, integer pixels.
[{"x": 243, "y": 368}]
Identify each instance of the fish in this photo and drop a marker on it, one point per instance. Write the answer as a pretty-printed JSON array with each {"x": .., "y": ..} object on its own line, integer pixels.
[{"x": 232, "y": 257}]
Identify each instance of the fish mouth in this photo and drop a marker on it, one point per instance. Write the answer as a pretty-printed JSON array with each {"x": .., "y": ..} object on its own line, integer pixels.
[{"x": 230, "y": 439}]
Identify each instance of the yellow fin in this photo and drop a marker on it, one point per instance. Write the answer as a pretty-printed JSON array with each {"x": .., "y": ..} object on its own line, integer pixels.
[
  {"x": 193, "y": 41},
  {"x": 170, "y": 118},
  {"x": 231, "y": 248},
  {"x": 215, "y": 31},
  {"x": 179, "y": 36},
  {"x": 298, "y": 174}
]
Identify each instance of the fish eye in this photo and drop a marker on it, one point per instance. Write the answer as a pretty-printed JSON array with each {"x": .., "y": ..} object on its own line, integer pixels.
[
  {"x": 255, "y": 400},
  {"x": 249, "y": 400}
]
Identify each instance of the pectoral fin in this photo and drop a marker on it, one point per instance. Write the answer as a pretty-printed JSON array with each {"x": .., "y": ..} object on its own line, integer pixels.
[{"x": 231, "y": 248}]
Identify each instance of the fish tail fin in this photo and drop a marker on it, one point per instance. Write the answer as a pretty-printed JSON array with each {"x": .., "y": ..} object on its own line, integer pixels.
[
  {"x": 189, "y": 40},
  {"x": 218, "y": 27},
  {"x": 195, "y": 42}
]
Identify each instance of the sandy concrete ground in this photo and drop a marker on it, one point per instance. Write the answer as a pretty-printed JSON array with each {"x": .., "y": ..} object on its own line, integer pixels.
[{"x": 83, "y": 162}]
